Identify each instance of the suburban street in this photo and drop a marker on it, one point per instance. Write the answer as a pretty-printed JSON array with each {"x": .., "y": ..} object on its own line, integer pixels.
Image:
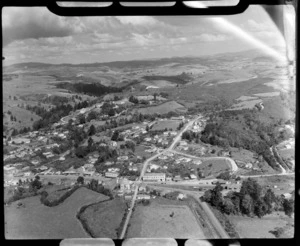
[{"x": 234, "y": 167}]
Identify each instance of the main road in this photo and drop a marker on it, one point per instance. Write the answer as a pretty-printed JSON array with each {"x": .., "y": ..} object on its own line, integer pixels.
[{"x": 175, "y": 141}]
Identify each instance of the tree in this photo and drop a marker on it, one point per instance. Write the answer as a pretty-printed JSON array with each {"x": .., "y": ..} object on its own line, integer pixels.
[
  {"x": 227, "y": 206},
  {"x": 36, "y": 183},
  {"x": 115, "y": 136},
  {"x": 252, "y": 188},
  {"x": 111, "y": 112},
  {"x": 278, "y": 232},
  {"x": 247, "y": 205},
  {"x": 92, "y": 130},
  {"x": 224, "y": 175},
  {"x": 207, "y": 196},
  {"x": 269, "y": 199},
  {"x": 70, "y": 122},
  {"x": 91, "y": 116},
  {"x": 80, "y": 152},
  {"x": 260, "y": 208},
  {"x": 80, "y": 180},
  {"x": 288, "y": 207},
  {"x": 81, "y": 119},
  {"x": 217, "y": 198}
]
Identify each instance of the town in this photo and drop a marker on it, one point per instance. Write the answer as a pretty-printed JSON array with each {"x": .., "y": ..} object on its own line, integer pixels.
[{"x": 148, "y": 126}]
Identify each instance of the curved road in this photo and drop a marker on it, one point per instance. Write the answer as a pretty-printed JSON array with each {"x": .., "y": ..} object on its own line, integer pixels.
[{"x": 234, "y": 167}]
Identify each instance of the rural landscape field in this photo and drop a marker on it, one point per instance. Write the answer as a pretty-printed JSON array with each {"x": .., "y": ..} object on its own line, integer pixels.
[{"x": 129, "y": 127}]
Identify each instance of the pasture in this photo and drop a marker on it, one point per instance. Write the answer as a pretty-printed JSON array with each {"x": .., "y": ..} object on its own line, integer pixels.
[
  {"x": 156, "y": 221},
  {"x": 285, "y": 184},
  {"x": 163, "y": 124},
  {"x": 249, "y": 104},
  {"x": 104, "y": 218},
  {"x": 248, "y": 227},
  {"x": 36, "y": 221},
  {"x": 214, "y": 166},
  {"x": 163, "y": 108}
]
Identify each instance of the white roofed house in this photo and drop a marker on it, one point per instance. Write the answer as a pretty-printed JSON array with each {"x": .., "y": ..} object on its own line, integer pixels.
[
  {"x": 193, "y": 176},
  {"x": 123, "y": 158},
  {"x": 125, "y": 185},
  {"x": 111, "y": 174}
]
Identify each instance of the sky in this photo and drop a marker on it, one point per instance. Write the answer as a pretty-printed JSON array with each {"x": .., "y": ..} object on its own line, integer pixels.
[{"x": 34, "y": 34}]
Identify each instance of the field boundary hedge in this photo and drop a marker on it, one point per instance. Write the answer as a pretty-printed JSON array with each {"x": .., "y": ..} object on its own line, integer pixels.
[
  {"x": 83, "y": 222},
  {"x": 60, "y": 200}
]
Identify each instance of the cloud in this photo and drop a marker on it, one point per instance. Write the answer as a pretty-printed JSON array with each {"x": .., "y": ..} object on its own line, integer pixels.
[
  {"x": 21, "y": 23},
  {"x": 137, "y": 20},
  {"x": 207, "y": 37}
]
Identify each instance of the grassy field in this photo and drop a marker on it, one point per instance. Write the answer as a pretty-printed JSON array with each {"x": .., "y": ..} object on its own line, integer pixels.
[
  {"x": 287, "y": 153},
  {"x": 242, "y": 155},
  {"x": 214, "y": 167},
  {"x": 284, "y": 183},
  {"x": 36, "y": 221},
  {"x": 155, "y": 221},
  {"x": 260, "y": 228},
  {"x": 163, "y": 108},
  {"x": 104, "y": 218},
  {"x": 169, "y": 124}
]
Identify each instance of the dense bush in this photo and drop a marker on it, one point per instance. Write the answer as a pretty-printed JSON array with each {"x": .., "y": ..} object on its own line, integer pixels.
[
  {"x": 251, "y": 134},
  {"x": 60, "y": 200},
  {"x": 249, "y": 201}
]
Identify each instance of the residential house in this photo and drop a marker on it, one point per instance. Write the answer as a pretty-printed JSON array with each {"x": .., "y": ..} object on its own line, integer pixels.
[
  {"x": 123, "y": 158},
  {"x": 125, "y": 184},
  {"x": 197, "y": 162},
  {"x": 111, "y": 174},
  {"x": 113, "y": 144},
  {"x": 143, "y": 197},
  {"x": 142, "y": 188},
  {"x": 193, "y": 176},
  {"x": 148, "y": 139},
  {"x": 177, "y": 178},
  {"x": 154, "y": 166},
  {"x": 248, "y": 165},
  {"x": 181, "y": 196}
]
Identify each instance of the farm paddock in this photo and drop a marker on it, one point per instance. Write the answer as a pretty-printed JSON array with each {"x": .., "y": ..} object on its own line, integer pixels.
[
  {"x": 164, "y": 218},
  {"x": 36, "y": 221}
]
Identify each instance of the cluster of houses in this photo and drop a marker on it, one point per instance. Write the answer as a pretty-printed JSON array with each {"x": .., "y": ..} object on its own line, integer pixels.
[
  {"x": 162, "y": 140},
  {"x": 128, "y": 187},
  {"x": 134, "y": 132}
]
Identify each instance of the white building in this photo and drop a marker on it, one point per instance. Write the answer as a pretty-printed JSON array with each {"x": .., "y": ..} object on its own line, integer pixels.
[
  {"x": 154, "y": 177},
  {"x": 111, "y": 174}
]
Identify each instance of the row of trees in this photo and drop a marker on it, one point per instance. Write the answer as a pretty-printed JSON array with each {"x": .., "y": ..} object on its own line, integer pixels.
[
  {"x": 251, "y": 200},
  {"x": 95, "y": 186},
  {"x": 34, "y": 185}
]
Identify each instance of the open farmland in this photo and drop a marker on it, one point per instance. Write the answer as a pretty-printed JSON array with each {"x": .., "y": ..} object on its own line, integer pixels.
[
  {"x": 163, "y": 108},
  {"x": 248, "y": 227},
  {"x": 155, "y": 221},
  {"x": 245, "y": 104},
  {"x": 104, "y": 218},
  {"x": 36, "y": 221},
  {"x": 163, "y": 124},
  {"x": 283, "y": 184},
  {"x": 214, "y": 167}
]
